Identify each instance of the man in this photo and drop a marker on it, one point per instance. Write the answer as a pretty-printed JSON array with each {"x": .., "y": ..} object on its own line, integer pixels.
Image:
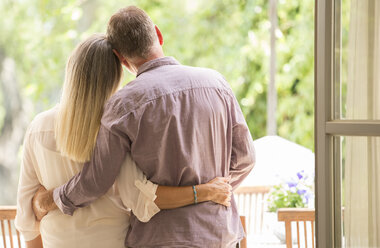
[{"x": 182, "y": 125}]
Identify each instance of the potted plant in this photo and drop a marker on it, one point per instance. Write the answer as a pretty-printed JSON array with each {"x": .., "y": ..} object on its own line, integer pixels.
[{"x": 294, "y": 193}]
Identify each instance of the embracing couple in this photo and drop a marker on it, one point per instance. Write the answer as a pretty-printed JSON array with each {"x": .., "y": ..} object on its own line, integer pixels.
[{"x": 152, "y": 164}]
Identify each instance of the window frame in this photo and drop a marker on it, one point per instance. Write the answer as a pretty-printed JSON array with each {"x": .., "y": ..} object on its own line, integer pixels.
[{"x": 328, "y": 125}]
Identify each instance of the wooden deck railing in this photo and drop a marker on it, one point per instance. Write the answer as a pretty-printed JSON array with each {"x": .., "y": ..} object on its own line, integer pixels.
[
  {"x": 251, "y": 201},
  {"x": 7, "y": 215},
  {"x": 289, "y": 215}
]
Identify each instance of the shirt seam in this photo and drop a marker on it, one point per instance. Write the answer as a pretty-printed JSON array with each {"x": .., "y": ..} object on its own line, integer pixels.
[
  {"x": 159, "y": 63},
  {"x": 40, "y": 131},
  {"x": 171, "y": 93}
]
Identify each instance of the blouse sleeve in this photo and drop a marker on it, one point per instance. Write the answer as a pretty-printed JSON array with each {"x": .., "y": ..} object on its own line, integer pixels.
[
  {"x": 26, "y": 222},
  {"x": 136, "y": 192}
]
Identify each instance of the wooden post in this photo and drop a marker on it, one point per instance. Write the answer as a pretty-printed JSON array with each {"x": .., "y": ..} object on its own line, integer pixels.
[{"x": 272, "y": 92}]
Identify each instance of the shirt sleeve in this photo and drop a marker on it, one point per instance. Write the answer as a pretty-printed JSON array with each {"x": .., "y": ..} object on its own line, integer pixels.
[
  {"x": 243, "y": 152},
  {"x": 136, "y": 192},
  {"x": 26, "y": 222},
  {"x": 97, "y": 175}
]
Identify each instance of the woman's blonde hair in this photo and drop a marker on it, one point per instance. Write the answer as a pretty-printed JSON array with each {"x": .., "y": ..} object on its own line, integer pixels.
[{"x": 93, "y": 74}]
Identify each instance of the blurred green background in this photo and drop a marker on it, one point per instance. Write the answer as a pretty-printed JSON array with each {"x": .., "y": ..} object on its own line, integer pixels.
[{"x": 231, "y": 36}]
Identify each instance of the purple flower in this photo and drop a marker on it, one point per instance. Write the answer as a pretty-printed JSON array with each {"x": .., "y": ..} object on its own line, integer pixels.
[
  {"x": 301, "y": 191},
  {"x": 292, "y": 184},
  {"x": 308, "y": 196},
  {"x": 300, "y": 175}
]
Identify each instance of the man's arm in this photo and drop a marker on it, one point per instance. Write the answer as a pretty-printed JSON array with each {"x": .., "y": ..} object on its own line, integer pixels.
[
  {"x": 145, "y": 198},
  {"x": 243, "y": 153},
  {"x": 96, "y": 177},
  {"x": 217, "y": 190}
]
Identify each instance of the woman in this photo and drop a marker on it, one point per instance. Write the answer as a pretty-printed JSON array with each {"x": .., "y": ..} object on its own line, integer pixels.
[{"x": 60, "y": 140}]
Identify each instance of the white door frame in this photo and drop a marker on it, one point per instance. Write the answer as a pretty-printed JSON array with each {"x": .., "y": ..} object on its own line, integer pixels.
[{"x": 328, "y": 125}]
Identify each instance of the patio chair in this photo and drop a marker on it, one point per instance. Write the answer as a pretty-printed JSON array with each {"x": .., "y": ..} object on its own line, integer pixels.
[
  {"x": 289, "y": 215},
  {"x": 243, "y": 242},
  {"x": 7, "y": 215},
  {"x": 252, "y": 199}
]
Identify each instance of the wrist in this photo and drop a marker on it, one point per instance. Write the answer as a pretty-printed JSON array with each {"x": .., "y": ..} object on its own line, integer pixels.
[{"x": 203, "y": 192}]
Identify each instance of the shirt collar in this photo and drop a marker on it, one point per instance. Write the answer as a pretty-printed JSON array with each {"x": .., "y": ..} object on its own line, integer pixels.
[{"x": 156, "y": 63}]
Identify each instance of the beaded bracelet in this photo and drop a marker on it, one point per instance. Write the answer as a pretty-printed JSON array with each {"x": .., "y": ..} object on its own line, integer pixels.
[{"x": 195, "y": 195}]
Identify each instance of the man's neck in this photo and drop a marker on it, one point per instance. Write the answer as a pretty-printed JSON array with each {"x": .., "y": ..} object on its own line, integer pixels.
[{"x": 155, "y": 55}]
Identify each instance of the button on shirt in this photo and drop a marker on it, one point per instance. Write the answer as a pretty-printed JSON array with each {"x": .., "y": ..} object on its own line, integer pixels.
[{"x": 183, "y": 126}]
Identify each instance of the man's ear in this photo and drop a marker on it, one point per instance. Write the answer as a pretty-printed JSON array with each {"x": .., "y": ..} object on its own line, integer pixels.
[
  {"x": 122, "y": 60},
  {"x": 159, "y": 35}
]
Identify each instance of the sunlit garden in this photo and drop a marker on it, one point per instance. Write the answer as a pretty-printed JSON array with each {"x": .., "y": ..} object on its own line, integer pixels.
[{"x": 230, "y": 36}]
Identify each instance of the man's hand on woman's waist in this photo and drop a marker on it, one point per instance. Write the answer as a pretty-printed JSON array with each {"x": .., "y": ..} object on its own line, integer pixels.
[{"x": 43, "y": 202}]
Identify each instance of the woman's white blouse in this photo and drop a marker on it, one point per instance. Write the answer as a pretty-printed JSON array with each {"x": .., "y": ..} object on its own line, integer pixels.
[{"x": 104, "y": 223}]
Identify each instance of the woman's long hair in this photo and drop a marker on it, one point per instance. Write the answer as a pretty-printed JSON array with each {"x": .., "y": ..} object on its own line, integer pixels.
[{"x": 93, "y": 74}]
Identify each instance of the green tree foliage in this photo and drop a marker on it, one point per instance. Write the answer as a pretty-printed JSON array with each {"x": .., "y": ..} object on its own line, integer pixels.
[{"x": 231, "y": 36}]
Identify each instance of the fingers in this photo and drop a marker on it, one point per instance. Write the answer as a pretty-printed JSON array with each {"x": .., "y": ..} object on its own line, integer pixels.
[
  {"x": 39, "y": 212},
  {"x": 229, "y": 195},
  {"x": 224, "y": 197},
  {"x": 227, "y": 201},
  {"x": 221, "y": 179},
  {"x": 221, "y": 190},
  {"x": 225, "y": 179},
  {"x": 39, "y": 215}
]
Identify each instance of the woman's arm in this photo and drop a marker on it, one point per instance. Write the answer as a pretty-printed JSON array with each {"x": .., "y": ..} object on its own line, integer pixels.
[
  {"x": 26, "y": 222},
  {"x": 217, "y": 190},
  {"x": 35, "y": 243},
  {"x": 145, "y": 198}
]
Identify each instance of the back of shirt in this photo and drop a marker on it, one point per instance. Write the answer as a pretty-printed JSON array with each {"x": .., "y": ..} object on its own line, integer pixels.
[
  {"x": 102, "y": 223},
  {"x": 180, "y": 122}
]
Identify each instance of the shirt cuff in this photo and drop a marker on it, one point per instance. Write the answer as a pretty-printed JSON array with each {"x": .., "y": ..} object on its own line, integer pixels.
[
  {"x": 62, "y": 202},
  {"x": 146, "y": 207},
  {"x": 147, "y": 188},
  {"x": 30, "y": 235}
]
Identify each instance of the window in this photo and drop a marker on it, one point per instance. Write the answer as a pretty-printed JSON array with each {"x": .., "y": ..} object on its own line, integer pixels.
[{"x": 347, "y": 93}]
